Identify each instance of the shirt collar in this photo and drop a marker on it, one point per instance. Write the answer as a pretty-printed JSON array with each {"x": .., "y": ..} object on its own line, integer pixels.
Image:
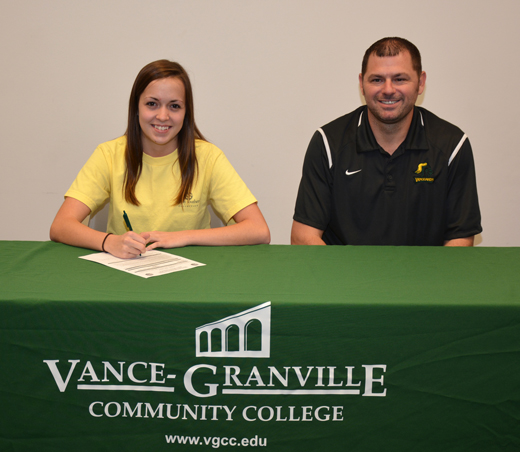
[{"x": 415, "y": 138}]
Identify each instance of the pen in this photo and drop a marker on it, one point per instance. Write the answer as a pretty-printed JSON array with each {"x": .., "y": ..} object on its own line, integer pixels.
[{"x": 127, "y": 221}]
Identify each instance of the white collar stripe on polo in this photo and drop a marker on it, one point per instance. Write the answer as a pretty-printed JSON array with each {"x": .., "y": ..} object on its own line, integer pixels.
[
  {"x": 327, "y": 148},
  {"x": 457, "y": 149}
]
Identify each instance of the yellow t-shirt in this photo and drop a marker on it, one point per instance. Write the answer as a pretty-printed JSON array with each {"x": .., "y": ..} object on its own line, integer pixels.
[{"x": 216, "y": 183}]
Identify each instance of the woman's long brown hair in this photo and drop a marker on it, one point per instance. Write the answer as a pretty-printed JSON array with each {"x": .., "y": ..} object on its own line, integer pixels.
[{"x": 186, "y": 137}]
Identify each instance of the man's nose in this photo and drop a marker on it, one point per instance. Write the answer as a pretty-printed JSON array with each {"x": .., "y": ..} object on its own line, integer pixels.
[{"x": 388, "y": 87}]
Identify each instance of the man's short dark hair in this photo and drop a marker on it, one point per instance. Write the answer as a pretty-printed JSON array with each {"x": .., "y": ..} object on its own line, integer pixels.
[{"x": 387, "y": 47}]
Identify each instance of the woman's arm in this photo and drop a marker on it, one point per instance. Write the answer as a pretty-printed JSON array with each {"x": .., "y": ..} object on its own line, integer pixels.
[
  {"x": 250, "y": 229},
  {"x": 67, "y": 228}
]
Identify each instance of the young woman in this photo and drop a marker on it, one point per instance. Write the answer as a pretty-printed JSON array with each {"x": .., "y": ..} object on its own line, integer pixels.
[{"x": 163, "y": 174}]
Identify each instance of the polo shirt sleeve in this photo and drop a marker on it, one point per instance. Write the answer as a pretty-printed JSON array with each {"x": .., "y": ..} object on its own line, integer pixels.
[
  {"x": 463, "y": 212},
  {"x": 228, "y": 194},
  {"x": 314, "y": 200},
  {"x": 92, "y": 184}
]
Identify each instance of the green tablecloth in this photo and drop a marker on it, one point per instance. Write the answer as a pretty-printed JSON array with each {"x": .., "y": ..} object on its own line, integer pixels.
[{"x": 369, "y": 348}]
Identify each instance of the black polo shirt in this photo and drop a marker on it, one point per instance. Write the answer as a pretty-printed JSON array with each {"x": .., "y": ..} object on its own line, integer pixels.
[{"x": 423, "y": 194}]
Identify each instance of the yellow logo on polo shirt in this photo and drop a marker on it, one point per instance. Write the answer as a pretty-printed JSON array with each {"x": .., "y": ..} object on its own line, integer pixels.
[{"x": 424, "y": 173}]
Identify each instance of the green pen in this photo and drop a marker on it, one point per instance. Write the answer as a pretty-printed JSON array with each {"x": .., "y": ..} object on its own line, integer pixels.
[{"x": 127, "y": 221}]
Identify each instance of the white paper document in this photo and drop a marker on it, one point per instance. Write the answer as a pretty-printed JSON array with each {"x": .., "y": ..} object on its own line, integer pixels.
[{"x": 152, "y": 263}]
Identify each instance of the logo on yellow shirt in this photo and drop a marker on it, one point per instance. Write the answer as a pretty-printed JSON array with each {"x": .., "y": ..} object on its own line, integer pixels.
[{"x": 190, "y": 202}]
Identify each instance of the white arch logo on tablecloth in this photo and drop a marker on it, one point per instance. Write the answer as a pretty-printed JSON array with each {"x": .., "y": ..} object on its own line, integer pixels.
[{"x": 243, "y": 335}]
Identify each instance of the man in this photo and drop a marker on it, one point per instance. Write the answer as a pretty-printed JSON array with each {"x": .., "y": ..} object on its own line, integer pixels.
[{"x": 388, "y": 173}]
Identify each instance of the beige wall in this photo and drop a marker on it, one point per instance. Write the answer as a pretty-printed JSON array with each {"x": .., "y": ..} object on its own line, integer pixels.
[{"x": 266, "y": 74}]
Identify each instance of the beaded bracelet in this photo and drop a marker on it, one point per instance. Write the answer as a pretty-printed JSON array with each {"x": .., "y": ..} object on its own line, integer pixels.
[{"x": 104, "y": 240}]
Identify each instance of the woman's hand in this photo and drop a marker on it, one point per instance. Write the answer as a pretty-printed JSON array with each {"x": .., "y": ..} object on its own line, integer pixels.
[
  {"x": 160, "y": 239},
  {"x": 250, "y": 229},
  {"x": 67, "y": 228},
  {"x": 127, "y": 245}
]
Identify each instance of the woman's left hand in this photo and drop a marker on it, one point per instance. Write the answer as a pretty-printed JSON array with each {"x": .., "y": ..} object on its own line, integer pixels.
[
  {"x": 160, "y": 239},
  {"x": 250, "y": 229}
]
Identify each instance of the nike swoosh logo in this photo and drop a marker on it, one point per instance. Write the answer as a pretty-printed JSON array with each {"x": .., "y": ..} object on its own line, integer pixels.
[{"x": 349, "y": 173}]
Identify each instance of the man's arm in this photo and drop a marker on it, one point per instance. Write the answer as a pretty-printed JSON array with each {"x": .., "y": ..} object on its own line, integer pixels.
[
  {"x": 301, "y": 234},
  {"x": 314, "y": 199},
  {"x": 467, "y": 241},
  {"x": 462, "y": 203}
]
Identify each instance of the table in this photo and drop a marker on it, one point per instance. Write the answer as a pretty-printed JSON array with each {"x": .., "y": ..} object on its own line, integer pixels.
[{"x": 276, "y": 348}]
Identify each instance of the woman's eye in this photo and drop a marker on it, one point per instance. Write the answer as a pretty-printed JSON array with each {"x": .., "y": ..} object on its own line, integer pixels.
[{"x": 151, "y": 104}]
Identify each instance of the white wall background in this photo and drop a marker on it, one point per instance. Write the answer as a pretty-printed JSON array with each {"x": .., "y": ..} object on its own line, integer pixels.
[{"x": 266, "y": 74}]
